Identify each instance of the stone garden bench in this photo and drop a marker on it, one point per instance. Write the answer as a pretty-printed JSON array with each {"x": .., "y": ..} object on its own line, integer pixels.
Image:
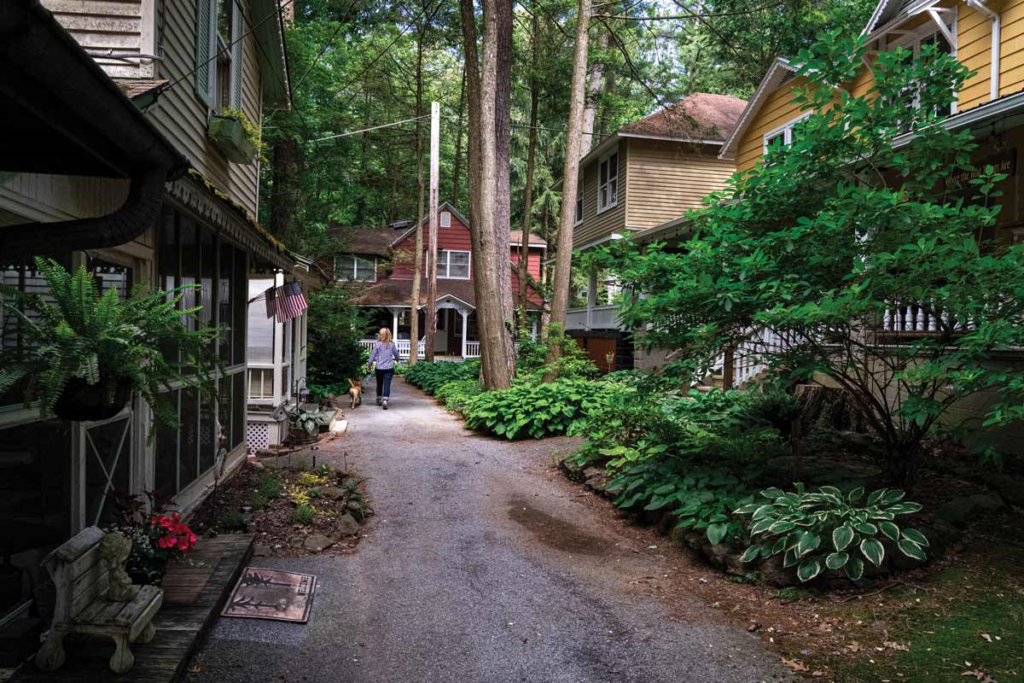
[{"x": 83, "y": 577}]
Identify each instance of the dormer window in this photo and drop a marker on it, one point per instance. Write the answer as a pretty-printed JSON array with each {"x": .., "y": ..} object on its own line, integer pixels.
[
  {"x": 446, "y": 219},
  {"x": 608, "y": 182},
  {"x": 355, "y": 269}
]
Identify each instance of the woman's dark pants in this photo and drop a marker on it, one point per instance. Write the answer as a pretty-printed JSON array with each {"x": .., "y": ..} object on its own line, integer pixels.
[{"x": 384, "y": 382}]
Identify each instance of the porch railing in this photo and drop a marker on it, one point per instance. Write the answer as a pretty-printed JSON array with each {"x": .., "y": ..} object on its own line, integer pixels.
[
  {"x": 472, "y": 349},
  {"x": 403, "y": 345},
  {"x": 920, "y": 317},
  {"x": 749, "y": 359}
]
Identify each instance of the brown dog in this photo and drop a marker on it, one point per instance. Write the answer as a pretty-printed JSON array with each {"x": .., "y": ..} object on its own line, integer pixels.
[{"x": 355, "y": 392}]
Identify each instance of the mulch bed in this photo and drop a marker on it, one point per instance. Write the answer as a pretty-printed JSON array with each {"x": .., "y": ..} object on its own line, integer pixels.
[{"x": 338, "y": 500}]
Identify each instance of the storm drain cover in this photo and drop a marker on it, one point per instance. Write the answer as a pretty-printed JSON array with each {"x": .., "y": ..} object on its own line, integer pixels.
[{"x": 271, "y": 594}]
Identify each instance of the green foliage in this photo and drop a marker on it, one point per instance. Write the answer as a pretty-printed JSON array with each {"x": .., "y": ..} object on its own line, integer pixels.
[
  {"x": 573, "y": 363},
  {"x": 432, "y": 376},
  {"x": 535, "y": 410},
  {"x": 334, "y": 352},
  {"x": 827, "y": 530},
  {"x": 252, "y": 131},
  {"x": 79, "y": 334},
  {"x": 310, "y": 421},
  {"x": 257, "y": 501},
  {"x": 815, "y": 247},
  {"x": 269, "y": 486},
  {"x": 456, "y": 395},
  {"x": 304, "y": 514}
]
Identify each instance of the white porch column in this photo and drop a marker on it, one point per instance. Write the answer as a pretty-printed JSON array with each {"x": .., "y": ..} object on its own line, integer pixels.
[
  {"x": 533, "y": 331},
  {"x": 394, "y": 324},
  {"x": 465, "y": 329},
  {"x": 278, "y": 350}
]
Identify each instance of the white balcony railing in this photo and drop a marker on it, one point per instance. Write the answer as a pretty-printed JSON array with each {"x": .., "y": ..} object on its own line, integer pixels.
[
  {"x": 403, "y": 346},
  {"x": 596, "y": 318},
  {"x": 919, "y": 317},
  {"x": 472, "y": 349}
]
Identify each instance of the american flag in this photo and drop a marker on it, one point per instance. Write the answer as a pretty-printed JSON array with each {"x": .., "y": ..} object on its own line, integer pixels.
[
  {"x": 271, "y": 300},
  {"x": 293, "y": 301}
]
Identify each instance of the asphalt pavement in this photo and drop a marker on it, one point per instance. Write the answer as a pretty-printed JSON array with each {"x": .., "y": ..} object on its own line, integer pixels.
[{"x": 478, "y": 568}]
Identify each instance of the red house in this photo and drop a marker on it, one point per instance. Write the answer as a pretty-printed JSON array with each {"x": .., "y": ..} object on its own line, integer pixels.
[{"x": 379, "y": 262}]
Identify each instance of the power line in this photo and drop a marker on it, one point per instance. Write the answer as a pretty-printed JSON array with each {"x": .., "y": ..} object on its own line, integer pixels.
[{"x": 366, "y": 130}]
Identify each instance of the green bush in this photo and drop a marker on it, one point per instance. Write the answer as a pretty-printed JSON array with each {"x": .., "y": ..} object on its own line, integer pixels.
[
  {"x": 304, "y": 514},
  {"x": 269, "y": 486},
  {"x": 335, "y": 329},
  {"x": 455, "y": 395},
  {"x": 432, "y": 376},
  {"x": 535, "y": 410},
  {"x": 573, "y": 363},
  {"x": 825, "y": 529}
]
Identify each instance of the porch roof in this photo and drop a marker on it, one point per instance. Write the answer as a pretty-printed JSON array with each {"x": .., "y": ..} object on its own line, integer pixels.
[{"x": 394, "y": 292}]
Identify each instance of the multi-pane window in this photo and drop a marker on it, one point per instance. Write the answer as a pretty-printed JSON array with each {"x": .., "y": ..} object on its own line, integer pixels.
[
  {"x": 784, "y": 135},
  {"x": 913, "y": 44},
  {"x": 355, "y": 268},
  {"x": 579, "y": 200},
  {"x": 225, "y": 22},
  {"x": 608, "y": 182},
  {"x": 452, "y": 265}
]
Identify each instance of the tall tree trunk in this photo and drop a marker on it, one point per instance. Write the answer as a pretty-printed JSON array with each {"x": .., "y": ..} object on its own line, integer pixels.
[
  {"x": 593, "y": 90},
  {"x": 531, "y": 156},
  {"x": 570, "y": 177},
  {"x": 414, "y": 303},
  {"x": 489, "y": 134},
  {"x": 286, "y": 197},
  {"x": 457, "y": 171}
]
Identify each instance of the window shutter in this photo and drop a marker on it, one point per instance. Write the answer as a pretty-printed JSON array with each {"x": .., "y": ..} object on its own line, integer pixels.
[
  {"x": 237, "y": 54},
  {"x": 204, "y": 54}
]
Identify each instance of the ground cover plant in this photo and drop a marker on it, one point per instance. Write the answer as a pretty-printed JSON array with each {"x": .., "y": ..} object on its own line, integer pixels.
[
  {"x": 432, "y": 376},
  {"x": 535, "y": 410},
  {"x": 457, "y": 394}
]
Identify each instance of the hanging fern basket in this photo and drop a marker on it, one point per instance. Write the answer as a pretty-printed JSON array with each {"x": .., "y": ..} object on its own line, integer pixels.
[{"x": 84, "y": 402}]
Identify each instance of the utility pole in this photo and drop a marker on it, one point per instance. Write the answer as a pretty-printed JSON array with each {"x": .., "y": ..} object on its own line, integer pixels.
[{"x": 435, "y": 149}]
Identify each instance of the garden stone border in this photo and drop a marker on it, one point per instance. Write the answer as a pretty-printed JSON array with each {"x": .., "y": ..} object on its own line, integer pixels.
[{"x": 941, "y": 534}]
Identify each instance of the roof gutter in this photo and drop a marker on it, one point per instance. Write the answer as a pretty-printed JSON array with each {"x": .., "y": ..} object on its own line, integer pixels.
[{"x": 38, "y": 48}]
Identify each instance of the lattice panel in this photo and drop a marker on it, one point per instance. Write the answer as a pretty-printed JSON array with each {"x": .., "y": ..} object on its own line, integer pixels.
[{"x": 258, "y": 436}]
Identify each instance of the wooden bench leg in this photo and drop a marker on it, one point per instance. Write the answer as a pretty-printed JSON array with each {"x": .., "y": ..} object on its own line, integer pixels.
[
  {"x": 147, "y": 634},
  {"x": 122, "y": 660},
  {"x": 51, "y": 656}
]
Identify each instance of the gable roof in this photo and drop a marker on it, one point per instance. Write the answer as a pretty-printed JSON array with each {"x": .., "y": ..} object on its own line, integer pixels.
[
  {"x": 516, "y": 239},
  {"x": 446, "y": 206},
  {"x": 780, "y": 72},
  {"x": 361, "y": 239},
  {"x": 701, "y": 117}
]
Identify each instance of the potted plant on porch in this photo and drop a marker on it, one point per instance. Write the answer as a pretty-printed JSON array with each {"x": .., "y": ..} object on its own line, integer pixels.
[
  {"x": 234, "y": 135},
  {"x": 80, "y": 354}
]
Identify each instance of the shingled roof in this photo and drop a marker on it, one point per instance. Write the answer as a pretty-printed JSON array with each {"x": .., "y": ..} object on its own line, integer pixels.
[
  {"x": 701, "y": 116},
  {"x": 373, "y": 241}
]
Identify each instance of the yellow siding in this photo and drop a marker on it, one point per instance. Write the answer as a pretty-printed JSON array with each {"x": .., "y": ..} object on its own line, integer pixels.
[
  {"x": 777, "y": 110},
  {"x": 666, "y": 179},
  {"x": 595, "y": 225},
  {"x": 182, "y": 117}
]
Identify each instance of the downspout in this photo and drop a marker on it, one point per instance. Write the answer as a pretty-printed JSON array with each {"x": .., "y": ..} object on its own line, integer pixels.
[
  {"x": 138, "y": 213},
  {"x": 996, "y": 45}
]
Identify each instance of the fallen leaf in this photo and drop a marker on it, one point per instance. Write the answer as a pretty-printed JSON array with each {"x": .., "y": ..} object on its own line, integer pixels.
[
  {"x": 854, "y": 647},
  {"x": 975, "y": 673},
  {"x": 986, "y": 637},
  {"x": 897, "y": 646},
  {"x": 794, "y": 664}
]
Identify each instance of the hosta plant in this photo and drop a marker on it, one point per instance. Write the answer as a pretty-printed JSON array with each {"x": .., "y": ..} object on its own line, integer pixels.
[{"x": 827, "y": 530}]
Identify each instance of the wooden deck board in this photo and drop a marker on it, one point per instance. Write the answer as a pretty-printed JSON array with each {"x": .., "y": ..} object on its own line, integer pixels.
[{"x": 193, "y": 597}]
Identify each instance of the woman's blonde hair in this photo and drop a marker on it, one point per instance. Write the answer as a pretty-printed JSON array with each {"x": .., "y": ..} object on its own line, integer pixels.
[{"x": 384, "y": 335}]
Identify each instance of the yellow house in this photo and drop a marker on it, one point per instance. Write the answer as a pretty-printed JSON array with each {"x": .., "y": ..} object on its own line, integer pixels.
[{"x": 987, "y": 36}]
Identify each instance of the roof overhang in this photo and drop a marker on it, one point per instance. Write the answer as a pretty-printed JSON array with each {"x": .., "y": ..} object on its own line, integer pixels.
[
  {"x": 771, "y": 81},
  {"x": 446, "y": 206},
  {"x": 62, "y": 114},
  {"x": 273, "y": 57},
  {"x": 1010, "y": 109}
]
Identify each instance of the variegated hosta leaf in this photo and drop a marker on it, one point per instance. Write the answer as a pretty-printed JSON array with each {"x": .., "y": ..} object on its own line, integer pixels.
[
  {"x": 873, "y": 550},
  {"x": 837, "y": 560},
  {"x": 916, "y": 537},
  {"x": 855, "y": 568},
  {"x": 911, "y": 549},
  {"x": 808, "y": 569},
  {"x": 891, "y": 531},
  {"x": 842, "y": 537}
]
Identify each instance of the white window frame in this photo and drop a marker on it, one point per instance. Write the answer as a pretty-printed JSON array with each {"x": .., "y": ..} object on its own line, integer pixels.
[
  {"x": 601, "y": 206},
  {"x": 786, "y": 130},
  {"x": 444, "y": 264},
  {"x": 446, "y": 219},
  {"x": 352, "y": 268},
  {"x": 912, "y": 41},
  {"x": 580, "y": 185}
]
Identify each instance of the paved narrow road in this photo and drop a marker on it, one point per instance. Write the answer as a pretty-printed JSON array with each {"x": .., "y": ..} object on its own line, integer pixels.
[{"x": 480, "y": 567}]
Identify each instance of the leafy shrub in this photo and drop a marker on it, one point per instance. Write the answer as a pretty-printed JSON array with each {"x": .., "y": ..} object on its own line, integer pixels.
[
  {"x": 269, "y": 486},
  {"x": 432, "y": 376},
  {"x": 573, "y": 363},
  {"x": 335, "y": 329},
  {"x": 534, "y": 410},
  {"x": 311, "y": 479},
  {"x": 304, "y": 514},
  {"x": 824, "y": 529},
  {"x": 455, "y": 395},
  {"x": 257, "y": 501}
]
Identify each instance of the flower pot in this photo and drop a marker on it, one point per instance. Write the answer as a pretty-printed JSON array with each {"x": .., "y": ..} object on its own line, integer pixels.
[
  {"x": 84, "y": 402},
  {"x": 228, "y": 135},
  {"x": 300, "y": 437}
]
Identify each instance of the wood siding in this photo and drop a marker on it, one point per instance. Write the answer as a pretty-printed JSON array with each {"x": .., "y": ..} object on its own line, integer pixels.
[
  {"x": 454, "y": 238},
  {"x": 183, "y": 117},
  {"x": 596, "y": 226},
  {"x": 119, "y": 26},
  {"x": 533, "y": 258},
  {"x": 974, "y": 50},
  {"x": 666, "y": 179}
]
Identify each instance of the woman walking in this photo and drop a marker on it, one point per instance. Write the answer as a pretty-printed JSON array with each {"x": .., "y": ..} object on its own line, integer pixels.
[{"x": 385, "y": 354}]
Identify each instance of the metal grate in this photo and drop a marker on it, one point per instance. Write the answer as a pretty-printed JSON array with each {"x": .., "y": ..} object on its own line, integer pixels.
[{"x": 258, "y": 436}]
